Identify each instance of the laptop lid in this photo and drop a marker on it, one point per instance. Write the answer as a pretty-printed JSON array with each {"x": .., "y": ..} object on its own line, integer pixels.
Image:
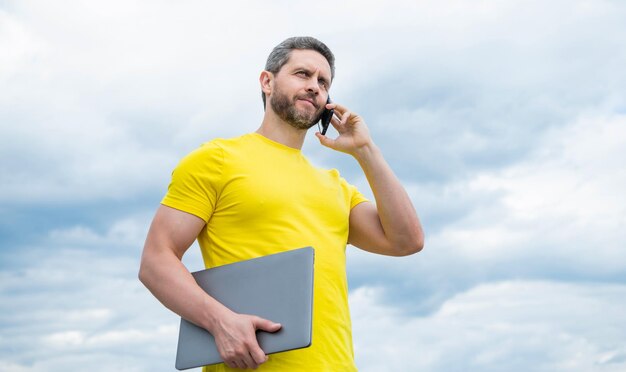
[{"x": 277, "y": 287}]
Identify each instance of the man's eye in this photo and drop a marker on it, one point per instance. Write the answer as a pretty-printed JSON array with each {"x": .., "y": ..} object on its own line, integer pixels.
[{"x": 301, "y": 73}]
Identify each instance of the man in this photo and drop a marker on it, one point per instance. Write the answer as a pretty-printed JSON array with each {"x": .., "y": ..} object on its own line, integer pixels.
[{"x": 257, "y": 194}]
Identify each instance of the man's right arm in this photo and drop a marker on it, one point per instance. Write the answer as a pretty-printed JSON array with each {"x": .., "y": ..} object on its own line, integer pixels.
[{"x": 172, "y": 232}]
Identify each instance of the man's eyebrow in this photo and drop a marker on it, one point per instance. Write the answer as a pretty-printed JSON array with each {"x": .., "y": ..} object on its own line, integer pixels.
[{"x": 302, "y": 68}]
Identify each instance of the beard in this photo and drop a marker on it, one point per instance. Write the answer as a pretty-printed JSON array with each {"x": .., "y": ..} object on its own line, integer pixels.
[{"x": 286, "y": 110}]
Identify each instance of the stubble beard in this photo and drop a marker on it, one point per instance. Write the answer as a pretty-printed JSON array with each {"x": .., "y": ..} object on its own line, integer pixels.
[{"x": 286, "y": 110}]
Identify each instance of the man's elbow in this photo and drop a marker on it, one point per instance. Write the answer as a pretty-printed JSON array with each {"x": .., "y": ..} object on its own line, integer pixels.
[
  {"x": 141, "y": 275},
  {"x": 410, "y": 249},
  {"x": 412, "y": 246},
  {"x": 144, "y": 271}
]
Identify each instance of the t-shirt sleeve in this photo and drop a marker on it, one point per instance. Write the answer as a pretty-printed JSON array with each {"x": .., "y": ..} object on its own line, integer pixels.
[
  {"x": 197, "y": 181},
  {"x": 355, "y": 196}
]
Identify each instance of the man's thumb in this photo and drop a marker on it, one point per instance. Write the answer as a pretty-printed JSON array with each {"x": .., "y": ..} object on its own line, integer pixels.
[
  {"x": 328, "y": 142},
  {"x": 265, "y": 325}
]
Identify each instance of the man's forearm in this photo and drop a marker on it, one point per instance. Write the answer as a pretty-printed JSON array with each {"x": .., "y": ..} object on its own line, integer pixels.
[{"x": 171, "y": 283}]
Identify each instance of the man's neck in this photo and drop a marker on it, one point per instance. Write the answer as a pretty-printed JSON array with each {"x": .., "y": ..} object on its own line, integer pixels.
[{"x": 279, "y": 131}]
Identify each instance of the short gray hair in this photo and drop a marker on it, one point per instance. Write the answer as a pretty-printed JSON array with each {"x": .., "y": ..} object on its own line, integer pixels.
[{"x": 280, "y": 54}]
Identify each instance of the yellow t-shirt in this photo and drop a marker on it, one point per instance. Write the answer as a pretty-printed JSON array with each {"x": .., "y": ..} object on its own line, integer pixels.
[{"x": 259, "y": 197}]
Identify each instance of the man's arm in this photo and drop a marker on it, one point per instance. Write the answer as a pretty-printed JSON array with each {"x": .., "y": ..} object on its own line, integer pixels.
[
  {"x": 172, "y": 232},
  {"x": 391, "y": 227}
]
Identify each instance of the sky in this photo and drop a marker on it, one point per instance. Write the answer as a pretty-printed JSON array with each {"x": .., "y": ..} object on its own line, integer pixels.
[{"x": 505, "y": 121}]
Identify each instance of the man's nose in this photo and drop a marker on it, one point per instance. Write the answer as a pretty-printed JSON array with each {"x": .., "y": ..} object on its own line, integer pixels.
[{"x": 312, "y": 86}]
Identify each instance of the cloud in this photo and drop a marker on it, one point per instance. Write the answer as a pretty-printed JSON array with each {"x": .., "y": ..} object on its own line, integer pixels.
[
  {"x": 82, "y": 308},
  {"x": 126, "y": 232},
  {"x": 561, "y": 201},
  {"x": 75, "y": 300},
  {"x": 518, "y": 325},
  {"x": 71, "y": 340}
]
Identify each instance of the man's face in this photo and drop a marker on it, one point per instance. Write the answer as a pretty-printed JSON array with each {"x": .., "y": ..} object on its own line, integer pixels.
[{"x": 301, "y": 89}]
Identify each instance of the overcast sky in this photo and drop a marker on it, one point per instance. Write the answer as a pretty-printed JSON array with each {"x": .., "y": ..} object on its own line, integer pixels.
[{"x": 505, "y": 120}]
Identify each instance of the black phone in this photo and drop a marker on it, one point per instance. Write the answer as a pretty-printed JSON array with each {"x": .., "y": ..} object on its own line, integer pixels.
[{"x": 327, "y": 115}]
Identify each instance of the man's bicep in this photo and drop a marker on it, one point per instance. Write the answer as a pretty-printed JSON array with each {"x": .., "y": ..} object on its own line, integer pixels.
[
  {"x": 366, "y": 231},
  {"x": 173, "y": 229}
]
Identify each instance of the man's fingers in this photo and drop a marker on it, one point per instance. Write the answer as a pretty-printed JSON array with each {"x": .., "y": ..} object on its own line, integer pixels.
[
  {"x": 337, "y": 107},
  {"x": 239, "y": 364},
  {"x": 249, "y": 361},
  {"x": 245, "y": 358},
  {"x": 237, "y": 341},
  {"x": 345, "y": 116},
  {"x": 335, "y": 120},
  {"x": 265, "y": 325},
  {"x": 258, "y": 355},
  {"x": 233, "y": 363}
]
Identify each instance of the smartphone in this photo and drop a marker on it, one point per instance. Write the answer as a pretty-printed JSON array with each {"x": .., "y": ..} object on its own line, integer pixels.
[{"x": 326, "y": 116}]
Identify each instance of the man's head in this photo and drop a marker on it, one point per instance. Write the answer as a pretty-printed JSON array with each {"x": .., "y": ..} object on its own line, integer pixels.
[{"x": 281, "y": 53}]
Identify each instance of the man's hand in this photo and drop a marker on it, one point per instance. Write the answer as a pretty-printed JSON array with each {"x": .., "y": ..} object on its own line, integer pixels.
[
  {"x": 353, "y": 133},
  {"x": 235, "y": 337}
]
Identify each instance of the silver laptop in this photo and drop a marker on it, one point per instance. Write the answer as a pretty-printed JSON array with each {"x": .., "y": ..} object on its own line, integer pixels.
[{"x": 277, "y": 287}]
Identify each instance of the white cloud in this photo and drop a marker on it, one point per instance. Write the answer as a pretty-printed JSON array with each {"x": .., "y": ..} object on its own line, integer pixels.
[
  {"x": 518, "y": 325},
  {"x": 64, "y": 339},
  {"x": 578, "y": 174},
  {"x": 560, "y": 202},
  {"x": 69, "y": 340},
  {"x": 83, "y": 304},
  {"x": 12, "y": 367},
  {"x": 82, "y": 307},
  {"x": 16, "y": 43},
  {"x": 125, "y": 232}
]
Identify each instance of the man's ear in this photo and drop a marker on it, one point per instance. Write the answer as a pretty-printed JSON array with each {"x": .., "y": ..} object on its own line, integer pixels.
[{"x": 266, "y": 79}]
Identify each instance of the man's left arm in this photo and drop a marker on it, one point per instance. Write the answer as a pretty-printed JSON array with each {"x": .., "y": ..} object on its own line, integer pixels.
[{"x": 391, "y": 227}]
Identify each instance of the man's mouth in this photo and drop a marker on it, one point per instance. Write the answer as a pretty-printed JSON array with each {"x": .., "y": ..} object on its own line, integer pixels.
[{"x": 312, "y": 102}]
